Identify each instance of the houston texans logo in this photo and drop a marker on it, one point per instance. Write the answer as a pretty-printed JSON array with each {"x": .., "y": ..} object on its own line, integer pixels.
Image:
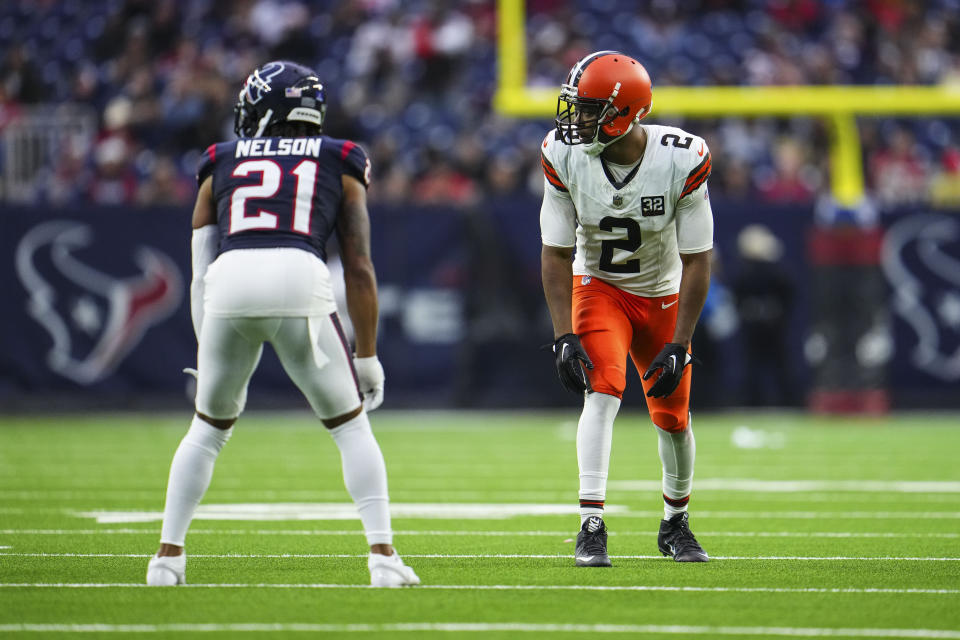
[
  {"x": 259, "y": 81},
  {"x": 94, "y": 319},
  {"x": 928, "y": 246}
]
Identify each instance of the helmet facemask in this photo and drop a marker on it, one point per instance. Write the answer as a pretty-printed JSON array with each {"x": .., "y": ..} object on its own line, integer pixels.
[{"x": 582, "y": 120}]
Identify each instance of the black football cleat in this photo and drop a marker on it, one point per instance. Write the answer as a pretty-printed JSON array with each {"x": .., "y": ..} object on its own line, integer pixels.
[
  {"x": 591, "y": 548},
  {"x": 676, "y": 540}
]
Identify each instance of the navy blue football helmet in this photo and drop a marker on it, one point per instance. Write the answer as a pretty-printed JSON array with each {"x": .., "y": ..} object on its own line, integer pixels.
[{"x": 279, "y": 91}]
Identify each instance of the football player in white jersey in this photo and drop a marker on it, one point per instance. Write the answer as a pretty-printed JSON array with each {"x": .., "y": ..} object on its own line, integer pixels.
[{"x": 627, "y": 234}]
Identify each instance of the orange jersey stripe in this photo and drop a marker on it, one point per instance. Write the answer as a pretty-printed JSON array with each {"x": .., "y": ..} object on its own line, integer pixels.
[
  {"x": 697, "y": 177},
  {"x": 547, "y": 167},
  {"x": 698, "y": 170},
  {"x": 556, "y": 183},
  {"x": 551, "y": 174}
]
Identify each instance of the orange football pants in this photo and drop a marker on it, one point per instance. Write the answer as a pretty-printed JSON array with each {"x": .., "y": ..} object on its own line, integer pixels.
[{"x": 611, "y": 324}]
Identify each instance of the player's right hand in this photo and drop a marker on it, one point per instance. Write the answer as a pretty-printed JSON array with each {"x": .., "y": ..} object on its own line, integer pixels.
[
  {"x": 569, "y": 353},
  {"x": 371, "y": 379}
]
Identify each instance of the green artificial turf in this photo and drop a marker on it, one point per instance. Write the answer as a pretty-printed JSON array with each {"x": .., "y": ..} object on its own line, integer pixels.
[{"x": 868, "y": 547}]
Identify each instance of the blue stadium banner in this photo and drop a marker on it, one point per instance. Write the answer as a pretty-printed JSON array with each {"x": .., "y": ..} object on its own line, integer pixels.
[
  {"x": 95, "y": 301},
  {"x": 96, "y": 309}
]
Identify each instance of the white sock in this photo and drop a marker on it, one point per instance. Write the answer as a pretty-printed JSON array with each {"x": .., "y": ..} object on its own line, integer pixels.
[
  {"x": 678, "y": 450},
  {"x": 365, "y": 476},
  {"x": 190, "y": 474},
  {"x": 594, "y": 435}
]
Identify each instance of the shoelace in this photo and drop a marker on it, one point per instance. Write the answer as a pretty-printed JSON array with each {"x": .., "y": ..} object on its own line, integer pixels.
[
  {"x": 684, "y": 538},
  {"x": 593, "y": 543}
]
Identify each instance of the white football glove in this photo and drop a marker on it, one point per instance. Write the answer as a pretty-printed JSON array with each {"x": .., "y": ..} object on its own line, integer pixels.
[{"x": 370, "y": 375}]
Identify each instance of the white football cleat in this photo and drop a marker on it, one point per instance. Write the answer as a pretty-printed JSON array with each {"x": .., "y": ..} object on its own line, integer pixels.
[
  {"x": 389, "y": 571},
  {"x": 167, "y": 571}
]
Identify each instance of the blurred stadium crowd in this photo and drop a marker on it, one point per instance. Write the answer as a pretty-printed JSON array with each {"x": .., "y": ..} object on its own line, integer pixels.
[{"x": 413, "y": 80}]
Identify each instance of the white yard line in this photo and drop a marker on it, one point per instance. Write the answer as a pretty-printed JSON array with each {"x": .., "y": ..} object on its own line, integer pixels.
[
  {"x": 338, "y": 511},
  {"x": 494, "y": 587},
  {"x": 754, "y": 485},
  {"x": 478, "y": 556},
  {"x": 333, "y": 511},
  {"x": 456, "y": 533},
  {"x": 485, "y": 627},
  {"x": 747, "y": 485}
]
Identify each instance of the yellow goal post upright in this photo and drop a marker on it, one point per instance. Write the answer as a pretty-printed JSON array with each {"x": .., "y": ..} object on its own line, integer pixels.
[{"x": 839, "y": 104}]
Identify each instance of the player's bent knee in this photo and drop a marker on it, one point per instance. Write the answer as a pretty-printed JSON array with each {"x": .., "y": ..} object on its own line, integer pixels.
[
  {"x": 333, "y": 423},
  {"x": 610, "y": 391},
  {"x": 669, "y": 421},
  {"x": 219, "y": 423},
  {"x": 609, "y": 380}
]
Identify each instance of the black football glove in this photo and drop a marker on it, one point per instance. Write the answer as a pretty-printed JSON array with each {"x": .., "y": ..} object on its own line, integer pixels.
[
  {"x": 569, "y": 354},
  {"x": 670, "y": 362}
]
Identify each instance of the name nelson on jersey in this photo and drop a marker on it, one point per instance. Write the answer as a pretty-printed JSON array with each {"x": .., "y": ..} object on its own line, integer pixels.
[{"x": 261, "y": 147}]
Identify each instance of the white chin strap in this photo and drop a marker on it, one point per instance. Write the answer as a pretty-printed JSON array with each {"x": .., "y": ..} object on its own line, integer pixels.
[{"x": 595, "y": 147}]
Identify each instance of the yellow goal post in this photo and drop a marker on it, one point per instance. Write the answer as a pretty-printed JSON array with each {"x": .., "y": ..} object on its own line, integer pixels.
[{"x": 838, "y": 104}]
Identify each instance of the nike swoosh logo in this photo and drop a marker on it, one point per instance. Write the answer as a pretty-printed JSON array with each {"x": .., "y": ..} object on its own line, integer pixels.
[
  {"x": 664, "y": 305},
  {"x": 700, "y": 153},
  {"x": 563, "y": 352},
  {"x": 584, "y": 558}
]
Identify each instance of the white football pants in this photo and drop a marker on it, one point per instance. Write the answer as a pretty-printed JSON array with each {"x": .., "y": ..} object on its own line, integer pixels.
[{"x": 313, "y": 352}]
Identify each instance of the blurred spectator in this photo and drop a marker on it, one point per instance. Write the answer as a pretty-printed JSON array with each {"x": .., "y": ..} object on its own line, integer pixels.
[
  {"x": 441, "y": 39},
  {"x": 444, "y": 184},
  {"x": 20, "y": 77},
  {"x": 71, "y": 175},
  {"x": 503, "y": 175},
  {"x": 764, "y": 296},
  {"x": 165, "y": 185},
  {"x": 735, "y": 182},
  {"x": 786, "y": 181},
  {"x": 898, "y": 173},
  {"x": 114, "y": 182}
]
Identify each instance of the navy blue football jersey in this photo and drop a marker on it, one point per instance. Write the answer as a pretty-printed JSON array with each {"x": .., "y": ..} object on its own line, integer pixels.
[{"x": 280, "y": 192}]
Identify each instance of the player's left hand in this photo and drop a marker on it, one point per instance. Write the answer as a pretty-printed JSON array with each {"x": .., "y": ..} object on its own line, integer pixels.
[
  {"x": 670, "y": 362},
  {"x": 371, "y": 379}
]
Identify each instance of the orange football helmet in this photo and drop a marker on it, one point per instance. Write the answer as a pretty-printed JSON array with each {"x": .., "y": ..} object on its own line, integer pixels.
[{"x": 606, "y": 92}]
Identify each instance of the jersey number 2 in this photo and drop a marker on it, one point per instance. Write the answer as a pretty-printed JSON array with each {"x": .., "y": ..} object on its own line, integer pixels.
[
  {"x": 270, "y": 176},
  {"x": 630, "y": 244}
]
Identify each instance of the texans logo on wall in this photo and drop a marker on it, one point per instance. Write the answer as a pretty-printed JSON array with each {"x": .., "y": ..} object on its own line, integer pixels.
[
  {"x": 921, "y": 263},
  {"x": 94, "y": 318}
]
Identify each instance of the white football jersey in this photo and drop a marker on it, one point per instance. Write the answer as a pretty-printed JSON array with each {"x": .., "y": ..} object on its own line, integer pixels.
[{"x": 630, "y": 232}]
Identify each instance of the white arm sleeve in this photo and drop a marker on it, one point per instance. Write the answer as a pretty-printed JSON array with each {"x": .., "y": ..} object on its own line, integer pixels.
[
  {"x": 204, "y": 244},
  {"x": 695, "y": 222},
  {"x": 558, "y": 218}
]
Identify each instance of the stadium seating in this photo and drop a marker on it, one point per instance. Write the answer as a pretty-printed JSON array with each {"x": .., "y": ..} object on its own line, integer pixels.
[{"x": 413, "y": 82}]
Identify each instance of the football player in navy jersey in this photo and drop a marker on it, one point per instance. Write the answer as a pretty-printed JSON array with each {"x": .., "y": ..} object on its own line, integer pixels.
[{"x": 267, "y": 204}]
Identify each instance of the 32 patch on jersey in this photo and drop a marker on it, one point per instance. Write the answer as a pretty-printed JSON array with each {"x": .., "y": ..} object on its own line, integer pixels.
[{"x": 651, "y": 206}]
